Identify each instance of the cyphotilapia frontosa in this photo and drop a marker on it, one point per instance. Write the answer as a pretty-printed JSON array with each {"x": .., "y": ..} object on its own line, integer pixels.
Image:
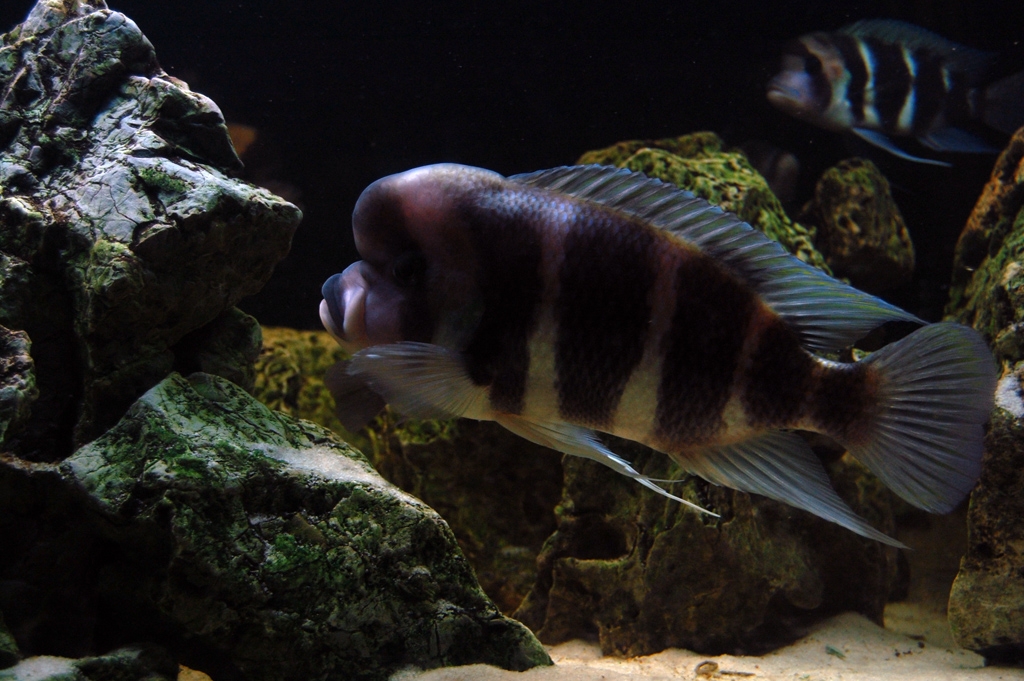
[
  {"x": 590, "y": 299},
  {"x": 882, "y": 78}
]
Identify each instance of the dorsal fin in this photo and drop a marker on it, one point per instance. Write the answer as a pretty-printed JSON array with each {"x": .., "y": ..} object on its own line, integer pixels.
[
  {"x": 827, "y": 314},
  {"x": 969, "y": 60}
]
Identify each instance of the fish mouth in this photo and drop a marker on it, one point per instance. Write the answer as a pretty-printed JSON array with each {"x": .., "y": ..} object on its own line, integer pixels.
[
  {"x": 343, "y": 309},
  {"x": 778, "y": 93}
]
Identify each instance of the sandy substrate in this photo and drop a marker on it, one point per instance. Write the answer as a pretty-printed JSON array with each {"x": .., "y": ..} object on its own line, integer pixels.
[{"x": 914, "y": 646}]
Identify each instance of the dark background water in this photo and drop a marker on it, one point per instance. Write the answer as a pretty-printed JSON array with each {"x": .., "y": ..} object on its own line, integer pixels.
[{"x": 342, "y": 93}]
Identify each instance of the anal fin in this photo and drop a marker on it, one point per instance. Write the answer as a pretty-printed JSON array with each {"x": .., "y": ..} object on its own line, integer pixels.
[
  {"x": 781, "y": 466},
  {"x": 955, "y": 139},
  {"x": 582, "y": 442}
]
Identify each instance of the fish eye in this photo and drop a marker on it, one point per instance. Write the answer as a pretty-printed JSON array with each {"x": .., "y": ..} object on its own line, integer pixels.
[
  {"x": 409, "y": 269},
  {"x": 812, "y": 65}
]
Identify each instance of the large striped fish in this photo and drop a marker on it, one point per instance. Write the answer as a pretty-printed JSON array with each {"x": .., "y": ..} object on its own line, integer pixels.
[
  {"x": 885, "y": 78},
  {"x": 591, "y": 299}
]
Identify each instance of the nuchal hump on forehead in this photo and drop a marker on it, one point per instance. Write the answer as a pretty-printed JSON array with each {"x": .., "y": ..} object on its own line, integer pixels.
[
  {"x": 585, "y": 300},
  {"x": 411, "y": 231}
]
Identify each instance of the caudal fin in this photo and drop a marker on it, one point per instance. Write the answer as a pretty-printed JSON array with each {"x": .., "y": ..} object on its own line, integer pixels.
[{"x": 937, "y": 387}]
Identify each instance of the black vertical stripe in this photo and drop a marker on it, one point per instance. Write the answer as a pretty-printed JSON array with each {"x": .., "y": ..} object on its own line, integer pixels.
[
  {"x": 508, "y": 247},
  {"x": 603, "y": 313},
  {"x": 892, "y": 82},
  {"x": 958, "y": 107},
  {"x": 779, "y": 379},
  {"x": 701, "y": 351},
  {"x": 930, "y": 91},
  {"x": 854, "y": 62}
]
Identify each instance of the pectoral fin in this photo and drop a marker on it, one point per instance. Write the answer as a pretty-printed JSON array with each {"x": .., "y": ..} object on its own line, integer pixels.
[
  {"x": 582, "y": 442},
  {"x": 780, "y": 466},
  {"x": 420, "y": 380},
  {"x": 881, "y": 141},
  {"x": 355, "y": 403}
]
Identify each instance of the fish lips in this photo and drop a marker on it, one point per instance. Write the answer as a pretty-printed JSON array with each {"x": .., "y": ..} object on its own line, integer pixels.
[{"x": 343, "y": 309}]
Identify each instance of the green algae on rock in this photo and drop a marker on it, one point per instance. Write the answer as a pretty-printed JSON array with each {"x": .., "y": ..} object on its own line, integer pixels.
[
  {"x": 859, "y": 227},
  {"x": 699, "y": 164},
  {"x": 987, "y": 600},
  {"x": 120, "y": 227},
  {"x": 290, "y": 376},
  {"x": 266, "y": 540},
  {"x": 495, "y": 490}
]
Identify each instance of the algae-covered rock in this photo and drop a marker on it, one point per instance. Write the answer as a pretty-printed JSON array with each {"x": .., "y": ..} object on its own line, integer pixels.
[
  {"x": 290, "y": 376},
  {"x": 986, "y": 604},
  {"x": 860, "y": 229},
  {"x": 989, "y": 226},
  {"x": 120, "y": 229},
  {"x": 17, "y": 380},
  {"x": 227, "y": 347},
  {"x": 496, "y": 490},
  {"x": 987, "y": 600},
  {"x": 699, "y": 164},
  {"x": 125, "y": 664},
  {"x": 988, "y": 273},
  {"x": 643, "y": 573},
  {"x": 250, "y": 544}
]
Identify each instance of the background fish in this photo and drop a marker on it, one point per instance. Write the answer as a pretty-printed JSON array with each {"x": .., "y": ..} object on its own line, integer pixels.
[
  {"x": 883, "y": 78},
  {"x": 591, "y": 299}
]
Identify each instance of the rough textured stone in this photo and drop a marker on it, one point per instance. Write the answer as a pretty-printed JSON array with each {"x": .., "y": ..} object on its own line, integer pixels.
[
  {"x": 120, "y": 230},
  {"x": 860, "y": 229},
  {"x": 699, "y": 164},
  {"x": 987, "y": 601},
  {"x": 227, "y": 347},
  {"x": 124, "y": 664},
  {"x": 250, "y": 544},
  {"x": 496, "y": 491},
  {"x": 17, "y": 380},
  {"x": 642, "y": 573},
  {"x": 986, "y": 605},
  {"x": 989, "y": 224},
  {"x": 988, "y": 287},
  {"x": 290, "y": 377}
]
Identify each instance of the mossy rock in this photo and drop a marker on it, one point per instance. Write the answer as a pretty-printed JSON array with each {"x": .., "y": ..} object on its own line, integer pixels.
[
  {"x": 642, "y": 573},
  {"x": 860, "y": 229},
  {"x": 496, "y": 490},
  {"x": 247, "y": 542}
]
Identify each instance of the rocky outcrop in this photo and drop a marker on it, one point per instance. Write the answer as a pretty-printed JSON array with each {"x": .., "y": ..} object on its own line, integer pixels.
[
  {"x": 859, "y": 227},
  {"x": 642, "y": 573},
  {"x": 986, "y": 606},
  {"x": 250, "y": 544},
  {"x": 121, "y": 231},
  {"x": 496, "y": 491}
]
